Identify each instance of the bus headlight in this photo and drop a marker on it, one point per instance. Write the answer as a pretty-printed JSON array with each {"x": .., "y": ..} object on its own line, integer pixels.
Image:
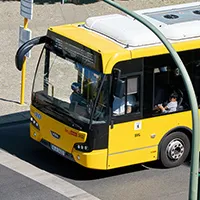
[
  {"x": 82, "y": 147},
  {"x": 34, "y": 123}
]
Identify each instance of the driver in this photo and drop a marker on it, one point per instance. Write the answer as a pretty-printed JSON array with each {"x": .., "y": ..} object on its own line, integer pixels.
[{"x": 76, "y": 88}]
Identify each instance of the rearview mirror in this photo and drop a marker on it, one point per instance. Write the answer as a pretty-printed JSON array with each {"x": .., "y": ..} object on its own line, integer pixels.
[
  {"x": 25, "y": 48},
  {"x": 119, "y": 89},
  {"x": 119, "y": 85}
]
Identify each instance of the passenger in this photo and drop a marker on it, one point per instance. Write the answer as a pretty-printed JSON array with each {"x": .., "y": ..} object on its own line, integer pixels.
[
  {"x": 171, "y": 106},
  {"x": 119, "y": 105}
]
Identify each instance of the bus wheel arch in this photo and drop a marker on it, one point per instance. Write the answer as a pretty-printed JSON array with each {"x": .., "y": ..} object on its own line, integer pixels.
[{"x": 174, "y": 147}]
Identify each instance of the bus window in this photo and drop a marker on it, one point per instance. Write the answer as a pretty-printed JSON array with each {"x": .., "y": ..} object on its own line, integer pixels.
[
  {"x": 131, "y": 98},
  {"x": 161, "y": 79},
  {"x": 69, "y": 87},
  {"x": 168, "y": 96}
]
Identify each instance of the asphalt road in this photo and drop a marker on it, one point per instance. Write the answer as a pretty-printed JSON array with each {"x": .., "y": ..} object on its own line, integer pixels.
[{"x": 139, "y": 182}]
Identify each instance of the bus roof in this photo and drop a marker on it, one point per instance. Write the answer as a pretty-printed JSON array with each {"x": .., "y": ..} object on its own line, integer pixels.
[{"x": 177, "y": 23}]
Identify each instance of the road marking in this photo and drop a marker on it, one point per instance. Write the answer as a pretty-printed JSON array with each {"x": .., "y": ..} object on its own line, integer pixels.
[{"x": 49, "y": 180}]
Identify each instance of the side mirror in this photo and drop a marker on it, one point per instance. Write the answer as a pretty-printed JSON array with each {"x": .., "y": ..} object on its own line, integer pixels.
[
  {"x": 25, "y": 48},
  {"x": 119, "y": 89}
]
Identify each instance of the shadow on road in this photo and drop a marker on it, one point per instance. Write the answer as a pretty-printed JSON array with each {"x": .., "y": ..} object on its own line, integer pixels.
[
  {"x": 14, "y": 118},
  {"x": 16, "y": 141}
]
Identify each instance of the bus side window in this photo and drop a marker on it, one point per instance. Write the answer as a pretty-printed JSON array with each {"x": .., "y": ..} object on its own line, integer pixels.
[
  {"x": 131, "y": 98},
  {"x": 133, "y": 93}
]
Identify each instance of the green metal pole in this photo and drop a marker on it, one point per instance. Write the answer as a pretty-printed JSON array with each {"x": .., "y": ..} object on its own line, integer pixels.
[{"x": 193, "y": 189}]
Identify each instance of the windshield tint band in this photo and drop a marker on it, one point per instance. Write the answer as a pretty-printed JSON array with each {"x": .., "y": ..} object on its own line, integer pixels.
[{"x": 76, "y": 51}]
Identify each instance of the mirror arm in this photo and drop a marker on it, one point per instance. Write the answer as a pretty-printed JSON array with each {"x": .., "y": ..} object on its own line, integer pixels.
[
  {"x": 117, "y": 73},
  {"x": 25, "y": 48}
]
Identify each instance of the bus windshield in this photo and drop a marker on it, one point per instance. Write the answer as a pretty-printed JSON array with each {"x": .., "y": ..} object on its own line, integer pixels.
[{"x": 69, "y": 88}]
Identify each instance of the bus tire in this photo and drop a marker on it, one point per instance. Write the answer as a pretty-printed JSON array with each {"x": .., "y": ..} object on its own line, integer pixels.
[{"x": 174, "y": 149}]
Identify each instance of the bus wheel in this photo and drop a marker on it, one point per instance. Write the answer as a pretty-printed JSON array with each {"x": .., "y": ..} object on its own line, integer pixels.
[{"x": 174, "y": 149}]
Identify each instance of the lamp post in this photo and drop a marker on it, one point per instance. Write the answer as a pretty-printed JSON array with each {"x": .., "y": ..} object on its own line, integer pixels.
[{"x": 26, "y": 10}]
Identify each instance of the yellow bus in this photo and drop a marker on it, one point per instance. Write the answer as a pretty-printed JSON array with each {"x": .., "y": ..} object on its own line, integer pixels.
[{"x": 101, "y": 88}]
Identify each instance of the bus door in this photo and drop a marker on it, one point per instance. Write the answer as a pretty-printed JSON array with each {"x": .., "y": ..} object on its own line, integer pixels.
[{"x": 129, "y": 142}]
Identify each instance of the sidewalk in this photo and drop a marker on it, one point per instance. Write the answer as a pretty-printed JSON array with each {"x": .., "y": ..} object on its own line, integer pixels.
[{"x": 44, "y": 16}]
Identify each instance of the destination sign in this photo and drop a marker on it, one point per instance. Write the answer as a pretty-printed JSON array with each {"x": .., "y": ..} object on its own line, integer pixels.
[{"x": 73, "y": 50}]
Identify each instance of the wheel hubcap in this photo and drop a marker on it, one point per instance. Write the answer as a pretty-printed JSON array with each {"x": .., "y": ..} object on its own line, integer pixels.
[{"x": 175, "y": 149}]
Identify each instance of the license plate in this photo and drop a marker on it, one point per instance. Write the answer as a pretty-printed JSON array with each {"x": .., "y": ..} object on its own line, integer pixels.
[{"x": 57, "y": 150}]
